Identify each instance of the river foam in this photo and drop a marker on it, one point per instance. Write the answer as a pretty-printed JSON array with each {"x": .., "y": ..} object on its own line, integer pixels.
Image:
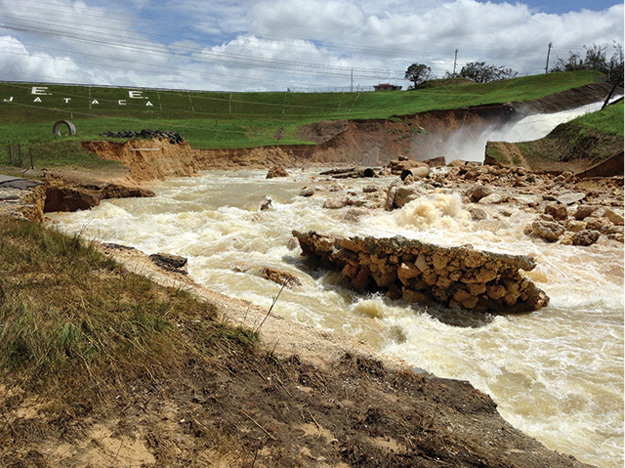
[{"x": 556, "y": 374}]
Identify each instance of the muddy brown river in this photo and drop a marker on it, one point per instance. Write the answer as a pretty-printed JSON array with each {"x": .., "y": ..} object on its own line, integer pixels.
[{"x": 556, "y": 374}]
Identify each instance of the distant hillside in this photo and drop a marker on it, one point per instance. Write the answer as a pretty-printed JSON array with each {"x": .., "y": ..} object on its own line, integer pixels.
[{"x": 219, "y": 120}]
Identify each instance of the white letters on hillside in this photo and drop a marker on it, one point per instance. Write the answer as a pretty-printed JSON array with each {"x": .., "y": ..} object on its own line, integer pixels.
[{"x": 40, "y": 91}]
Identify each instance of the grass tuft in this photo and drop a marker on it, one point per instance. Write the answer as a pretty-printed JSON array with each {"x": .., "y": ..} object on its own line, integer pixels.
[{"x": 73, "y": 321}]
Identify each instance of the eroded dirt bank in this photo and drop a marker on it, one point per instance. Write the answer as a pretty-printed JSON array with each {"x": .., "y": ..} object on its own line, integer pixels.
[{"x": 361, "y": 142}]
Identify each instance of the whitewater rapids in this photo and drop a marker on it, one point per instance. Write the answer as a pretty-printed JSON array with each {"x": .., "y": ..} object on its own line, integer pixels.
[{"x": 556, "y": 374}]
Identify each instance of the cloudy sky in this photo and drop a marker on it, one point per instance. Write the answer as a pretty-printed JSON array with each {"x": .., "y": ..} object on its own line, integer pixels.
[{"x": 230, "y": 45}]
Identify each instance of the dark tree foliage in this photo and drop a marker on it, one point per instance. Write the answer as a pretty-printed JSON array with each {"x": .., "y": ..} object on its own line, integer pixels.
[
  {"x": 483, "y": 73},
  {"x": 418, "y": 73},
  {"x": 595, "y": 59}
]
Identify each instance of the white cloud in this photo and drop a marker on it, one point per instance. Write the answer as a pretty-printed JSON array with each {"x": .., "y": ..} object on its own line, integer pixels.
[
  {"x": 72, "y": 27},
  {"x": 264, "y": 45},
  {"x": 17, "y": 61},
  {"x": 313, "y": 19}
]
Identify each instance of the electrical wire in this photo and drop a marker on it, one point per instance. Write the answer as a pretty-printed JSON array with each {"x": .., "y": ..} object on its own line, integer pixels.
[
  {"x": 102, "y": 37},
  {"x": 69, "y": 12}
]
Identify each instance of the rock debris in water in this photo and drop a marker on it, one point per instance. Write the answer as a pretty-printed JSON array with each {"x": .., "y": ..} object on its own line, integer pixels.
[{"x": 416, "y": 271}]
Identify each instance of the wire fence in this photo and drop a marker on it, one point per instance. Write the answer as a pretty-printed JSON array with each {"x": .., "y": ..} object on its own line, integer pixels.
[
  {"x": 333, "y": 89},
  {"x": 20, "y": 156}
]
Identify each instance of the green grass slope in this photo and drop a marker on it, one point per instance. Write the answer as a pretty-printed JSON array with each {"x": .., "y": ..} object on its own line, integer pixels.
[
  {"x": 237, "y": 120},
  {"x": 609, "y": 121}
]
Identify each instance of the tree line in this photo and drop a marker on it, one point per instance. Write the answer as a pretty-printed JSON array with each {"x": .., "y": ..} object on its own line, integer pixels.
[{"x": 596, "y": 59}]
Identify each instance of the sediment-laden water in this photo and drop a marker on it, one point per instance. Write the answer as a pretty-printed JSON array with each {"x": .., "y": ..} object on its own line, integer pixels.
[{"x": 556, "y": 374}]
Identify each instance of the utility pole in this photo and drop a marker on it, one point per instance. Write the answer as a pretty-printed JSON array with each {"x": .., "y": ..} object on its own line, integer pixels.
[
  {"x": 351, "y": 87},
  {"x": 455, "y": 61},
  {"x": 548, "y": 54}
]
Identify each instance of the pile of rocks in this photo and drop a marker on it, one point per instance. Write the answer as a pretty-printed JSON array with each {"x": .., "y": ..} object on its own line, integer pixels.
[
  {"x": 582, "y": 227},
  {"x": 608, "y": 190},
  {"x": 420, "y": 272},
  {"x": 492, "y": 176},
  {"x": 147, "y": 134}
]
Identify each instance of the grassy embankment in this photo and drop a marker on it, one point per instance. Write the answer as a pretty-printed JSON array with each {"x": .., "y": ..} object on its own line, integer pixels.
[
  {"x": 237, "y": 120},
  {"x": 74, "y": 323}
]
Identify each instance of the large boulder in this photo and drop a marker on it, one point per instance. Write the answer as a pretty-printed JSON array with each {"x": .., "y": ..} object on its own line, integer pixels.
[
  {"x": 277, "y": 171},
  {"x": 584, "y": 211},
  {"x": 477, "y": 192},
  {"x": 439, "y": 161},
  {"x": 335, "y": 203},
  {"x": 170, "y": 262},
  {"x": 307, "y": 192},
  {"x": 270, "y": 273},
  {"x": 547, "y": 230},
  {"x": 405, "y": 194},
  {"x": 585, "y": 238},
  {"x": 558, "y": 211},
  {"x": 613, "y": 216}
]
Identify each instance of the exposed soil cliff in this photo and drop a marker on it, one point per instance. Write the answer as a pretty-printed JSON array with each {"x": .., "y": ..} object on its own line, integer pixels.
[{"x": 358, "y": 142}]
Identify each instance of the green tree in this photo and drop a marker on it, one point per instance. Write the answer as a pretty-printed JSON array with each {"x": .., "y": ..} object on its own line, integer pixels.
[
  {"x": 596, "y": 59},
  {"x": 418, "y": 73},
  {"x": 483, "y": 73},
  {"x": 571, "y": 63},
  {"x": 615, "y": 65}
]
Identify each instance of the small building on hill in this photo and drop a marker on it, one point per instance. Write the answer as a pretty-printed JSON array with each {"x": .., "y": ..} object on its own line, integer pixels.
[{"x": 386, "y": 87}]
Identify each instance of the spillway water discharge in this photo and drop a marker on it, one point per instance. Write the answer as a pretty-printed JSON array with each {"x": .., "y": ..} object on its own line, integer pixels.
[
  {"x": 556, "y": 374},
  {"x": 469, "y": 144}
]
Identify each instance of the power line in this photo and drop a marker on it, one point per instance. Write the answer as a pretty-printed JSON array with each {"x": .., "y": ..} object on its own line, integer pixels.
[
  {"x": 290, "y": 39},
  {"x": 80, "y": 16},
  {"x": 186, "y": 70},
  {"x": 102, "y": 36},
  {"x": 146, "y": 45},
  {"x": 203, "y": 55}
]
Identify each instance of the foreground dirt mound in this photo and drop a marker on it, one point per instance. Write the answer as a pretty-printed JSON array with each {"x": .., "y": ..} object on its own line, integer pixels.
[{"x": 258, "y": 410}]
